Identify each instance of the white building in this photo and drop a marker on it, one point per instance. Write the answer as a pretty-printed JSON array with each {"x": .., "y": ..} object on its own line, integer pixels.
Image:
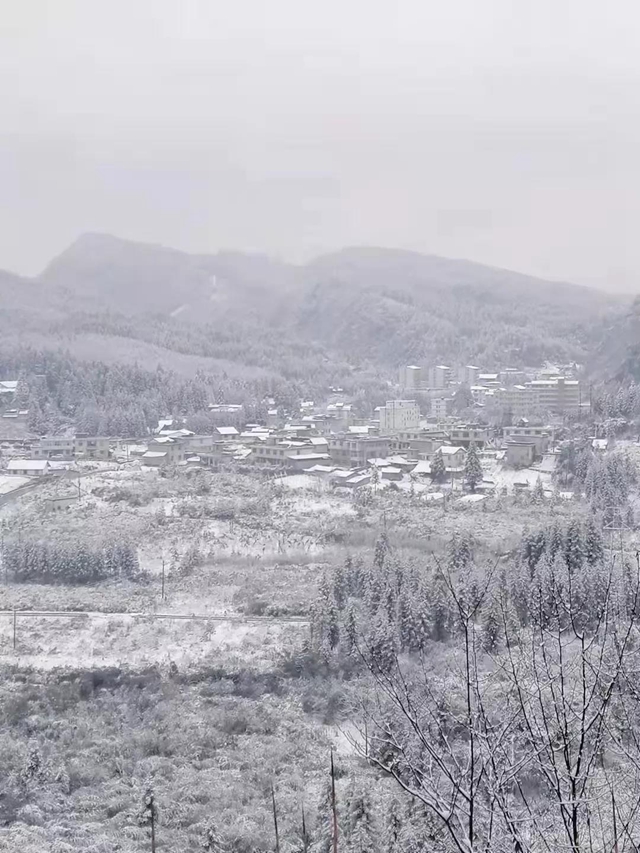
[
  {"x": 439, "y": 376},
  {"x": 398, "y": 415}
]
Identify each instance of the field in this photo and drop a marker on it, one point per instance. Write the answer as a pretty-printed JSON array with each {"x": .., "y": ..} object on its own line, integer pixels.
[{"x": 110, "y": 686}]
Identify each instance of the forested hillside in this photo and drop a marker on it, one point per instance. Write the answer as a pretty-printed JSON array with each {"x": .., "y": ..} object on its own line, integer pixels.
[{"x": 245, "y": 326}]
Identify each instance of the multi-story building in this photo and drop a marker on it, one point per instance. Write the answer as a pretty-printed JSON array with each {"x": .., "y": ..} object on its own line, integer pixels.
[
  {"x": 561, "y": 396},
  {"x": 411, "y": 378},
  {"x": 541, "y": 436},
  {"x": 354, "y": 451},
  {"x": 65, "y": 447},
  {"x": 440, "y": 407},
  {"x": 440, "y": 376},
  {"x": 398, "y": 415},
  {"x": 466, "y": 435},
  {"x": 468, "y": 374}
]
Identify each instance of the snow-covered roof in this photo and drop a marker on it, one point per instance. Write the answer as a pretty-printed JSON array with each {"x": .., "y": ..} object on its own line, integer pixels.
[
  {"x": 154, "y": 454},
  {"x": 308, "y": 457},
  {"x": 230, "y": 430},
  {"x": 320, "y": 469},
  {"x": 27, "y": 465},
  {"x": 423, "y": 467},
  {"x": 448, "y": 450}
]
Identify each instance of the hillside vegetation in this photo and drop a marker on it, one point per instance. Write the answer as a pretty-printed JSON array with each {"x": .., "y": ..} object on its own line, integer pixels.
[{"x": 361, "y": 306}]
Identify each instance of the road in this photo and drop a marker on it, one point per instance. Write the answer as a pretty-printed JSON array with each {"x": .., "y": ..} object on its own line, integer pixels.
[{"x": 103, "y": 614}]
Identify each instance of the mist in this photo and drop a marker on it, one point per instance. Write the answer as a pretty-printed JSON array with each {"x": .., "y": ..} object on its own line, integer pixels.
[{"x": 459, "y": 129}]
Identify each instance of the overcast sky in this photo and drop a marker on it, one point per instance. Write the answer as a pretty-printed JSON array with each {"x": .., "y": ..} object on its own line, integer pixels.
[{"x": 496, "y": 130}]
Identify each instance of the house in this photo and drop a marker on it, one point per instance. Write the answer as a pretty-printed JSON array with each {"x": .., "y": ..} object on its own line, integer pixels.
[
  {"x": 57, "y": 503},
  {"x": 155, "y": 458},
  {"x": 521, "y": 452},
  {"x": 466, "y": 435},
  {"x": 390, "y": 472},
  {"x": 28, "y": 467},
  {"x": 541, "y": 436},
  {"x": 305, "y": 460},
  {"x": 94, "y": 447},
  {"x": 227, "y": 432},
  {"x": 600, "y": 445},
  {"x": 454, "y": 457}
]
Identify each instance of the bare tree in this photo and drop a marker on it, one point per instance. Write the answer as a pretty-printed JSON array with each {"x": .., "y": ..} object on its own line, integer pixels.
[{"x": 533, "y": 746}]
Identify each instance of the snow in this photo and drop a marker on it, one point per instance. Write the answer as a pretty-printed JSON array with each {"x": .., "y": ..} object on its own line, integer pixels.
[{"x": 8, "y": 484}]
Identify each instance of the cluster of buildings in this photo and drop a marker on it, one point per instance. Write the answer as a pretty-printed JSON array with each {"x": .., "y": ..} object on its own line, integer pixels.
[{"x": 520, "y": 393}]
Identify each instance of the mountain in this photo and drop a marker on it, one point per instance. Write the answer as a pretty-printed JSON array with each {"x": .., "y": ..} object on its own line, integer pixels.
[
  {"x": 361, "y": 306},
  {"x": 617, "y": 354},
  {"x": 101, "y": 272}
]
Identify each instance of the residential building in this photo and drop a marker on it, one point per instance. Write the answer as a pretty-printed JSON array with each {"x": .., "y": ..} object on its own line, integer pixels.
[
  {"x": 541, "y": 436},
  {"x": 440, "y": 376},
  {"x": 466, "y": 435},
  {"x": 521, "y": 452},
  {"x": 352, "y": 451},
  {"x": 560, "y": 396},
  {"x": 29, "y": 467},
  {"x": 440, "y": 407},
  {"x": 418, "y": 444},
  {"x": 66, "y": 447},
  {"x": 398, "y": 415},
  {"x": 411, "y": 378},
  {"x": 468, "y": 374},
  {"x": 454, "y": 457},
  {"x": 60, "y": 502}
]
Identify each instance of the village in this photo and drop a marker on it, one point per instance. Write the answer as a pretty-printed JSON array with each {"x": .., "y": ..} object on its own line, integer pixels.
[{"x": 513, "y": 421}]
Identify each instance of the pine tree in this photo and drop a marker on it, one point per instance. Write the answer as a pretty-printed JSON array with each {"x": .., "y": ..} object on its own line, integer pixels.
[
  {"x": 381, "y": 550},
  {"x": 361, "y": 829},
  {"x": 490, "y": 628},
  {"x": 383, "y": 645},
  {"x": 472, "y": 468},
  {"x": 594, "y": 543},
  {"x": 392, "y": 833},
  {"x": 438, "y": 468},
  {"x": 574, "y": 547},
  {"x": 537, "y": 496},
  {"x": 323, "y": 842}
]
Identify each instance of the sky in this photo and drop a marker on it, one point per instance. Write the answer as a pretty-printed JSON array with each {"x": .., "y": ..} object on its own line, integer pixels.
[{"x": 503, "y": 132}]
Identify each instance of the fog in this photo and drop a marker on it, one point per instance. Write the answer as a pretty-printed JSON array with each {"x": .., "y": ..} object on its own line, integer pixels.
[{"x": 505, "y": 133}]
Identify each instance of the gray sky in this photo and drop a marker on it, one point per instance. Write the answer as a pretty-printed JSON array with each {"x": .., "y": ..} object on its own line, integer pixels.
[{"x": 496, "y": 130}]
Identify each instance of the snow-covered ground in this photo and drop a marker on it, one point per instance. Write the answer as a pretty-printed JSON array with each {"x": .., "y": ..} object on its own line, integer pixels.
[{"x": 8, "y": 483}]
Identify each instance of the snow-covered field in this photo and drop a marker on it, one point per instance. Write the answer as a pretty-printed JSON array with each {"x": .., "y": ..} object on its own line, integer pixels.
[{"x": 9, "y": 482}]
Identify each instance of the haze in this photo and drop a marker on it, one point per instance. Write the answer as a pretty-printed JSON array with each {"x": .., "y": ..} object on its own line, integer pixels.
[{"x": 500, "y": 132}]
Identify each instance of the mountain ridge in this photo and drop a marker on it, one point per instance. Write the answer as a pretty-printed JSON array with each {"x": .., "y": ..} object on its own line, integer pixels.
[{"x": 363, "y": 304}]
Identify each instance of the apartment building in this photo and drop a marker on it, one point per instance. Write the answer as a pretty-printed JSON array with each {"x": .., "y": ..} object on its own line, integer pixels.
[
  {"x": 411, "y": 378},
  {"x": 561, "y": 396},
  {"x": 468, "y": 374},
  {"x": 440, "y": 376},
  {"x": 466, "y": 435},
  {"x": 355, "y": 451},
  {"x": 399, "y": 415},
  {"x": 65, "y": 447}
]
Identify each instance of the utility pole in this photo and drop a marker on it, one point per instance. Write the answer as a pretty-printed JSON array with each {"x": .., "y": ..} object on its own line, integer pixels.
[
  {"x": 305, "y": 835},
  {"x": 334, "y": 810},
  {"x": 15, "y": 621},
  {"x": 275, "y": 817},
  {"x": 162, "y": 578}
]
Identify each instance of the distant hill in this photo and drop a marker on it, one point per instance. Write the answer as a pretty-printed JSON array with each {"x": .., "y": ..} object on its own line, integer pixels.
[
  {"x": 360, "y": 305},
  {"x": 101, "y": 272},
  {"x": 617, "y": 354}
]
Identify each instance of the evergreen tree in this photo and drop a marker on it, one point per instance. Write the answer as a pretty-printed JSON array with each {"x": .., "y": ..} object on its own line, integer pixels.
[
  {"x": 491, "y": 626},
  {"x": 438, "y": 468},
  {"x": 472, "y": 468},
  {"x": 361, "y": 829},
  {"x": 574, "y": 547},
  {"x": 537, "y": 496},
  {"x": 593, "y": 542}
]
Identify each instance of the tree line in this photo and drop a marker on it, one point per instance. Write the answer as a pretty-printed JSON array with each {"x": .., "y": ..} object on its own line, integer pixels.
[{"x": 33, "y": 560}]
